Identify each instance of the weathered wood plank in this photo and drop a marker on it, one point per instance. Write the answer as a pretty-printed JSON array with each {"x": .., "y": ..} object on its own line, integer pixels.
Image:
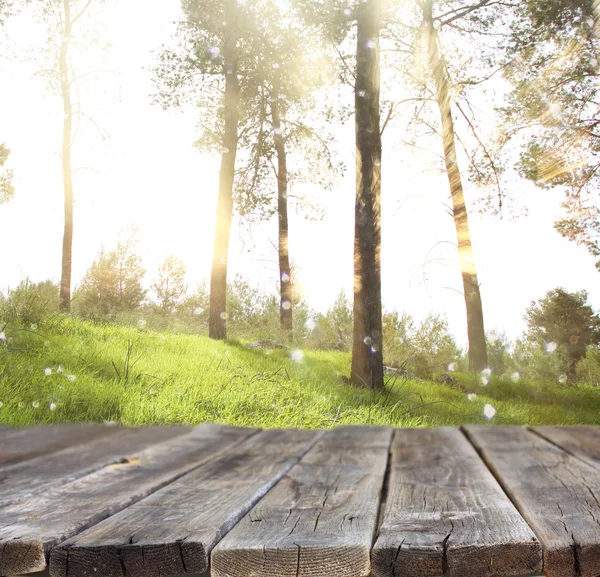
[
  {"x": 557, "y": 494},
  {"x": 28, "y": 442},
  {"x": 173, "y": 531},
  {"x": 29, "y": 529},
  {"x": 320, "y": 519},
  {"x": 582, "y": 441},
  {"x": 21, "y": 480},
  {"x": 446, "y": 514}
]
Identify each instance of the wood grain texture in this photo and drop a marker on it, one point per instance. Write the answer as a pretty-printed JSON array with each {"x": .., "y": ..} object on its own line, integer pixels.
[
  {"x": 446, "y": 514},
  {"x": 319, "y": 520},
  {"x": 173, "y": 531},
  {"x": 29, "y": 529},
  {"x": 20, "y": 444},
  {"x": 582, "y": 441},
  {"x": 557, "y": 494},
  {"x": 21, "y": 480}
]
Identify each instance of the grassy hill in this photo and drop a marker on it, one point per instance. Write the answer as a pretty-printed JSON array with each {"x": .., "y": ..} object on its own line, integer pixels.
[{"x": 72, "y": 370}]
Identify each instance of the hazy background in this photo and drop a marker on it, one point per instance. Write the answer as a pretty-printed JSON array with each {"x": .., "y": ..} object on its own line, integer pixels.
[{"x": 147, "y": 172}]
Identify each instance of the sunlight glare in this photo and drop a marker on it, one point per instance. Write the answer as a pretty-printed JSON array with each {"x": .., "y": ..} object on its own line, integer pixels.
[
  {"x": 488, "y": 411},
  {"x": 297, "y": 356}
]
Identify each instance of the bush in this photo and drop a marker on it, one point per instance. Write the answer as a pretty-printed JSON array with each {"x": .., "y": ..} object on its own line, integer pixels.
[
  {"x": 333, "y": 330},
  {"x": 423, "y": 349},
  {"x": 499, "y": 353},
  {"x": 588, "y": 368},
  {"x": 532, "y": 359},
  {"x": 29, "y": 303}
]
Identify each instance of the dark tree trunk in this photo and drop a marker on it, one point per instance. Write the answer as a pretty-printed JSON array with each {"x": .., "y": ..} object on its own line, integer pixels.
[
  {"x": 367, "y": 356},
  {"x": 67, "y": 246},
  {"x": 477, "y": 345},
  {"x": 217, "y": 322},
  {"x": 574, "y": 355},
  {"x": 285, "y": 275}
]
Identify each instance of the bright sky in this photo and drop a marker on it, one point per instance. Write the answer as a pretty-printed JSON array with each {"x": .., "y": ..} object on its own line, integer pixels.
[{"x": 147, "y": 172}]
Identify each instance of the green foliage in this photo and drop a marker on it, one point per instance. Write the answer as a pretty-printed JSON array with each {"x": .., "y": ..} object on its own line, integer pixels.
[
  {"x": 424, "y": 349},
  {"x": 552, "y": 63},
  {"x": 531, "y": 359},
  {"x": 189, "y": 379},
  {"x": 113, "y": 283},
  {"x": 275, "y": 59},
  {"x": 333, "y": 330},
  {"x": 568, "y": 321},
  {"x": 170, "y": 287},
  {"x": 6, "y": 10},
  {"x": 588, "y": 368},
  {"x": 499, "y": 353},
  {"x": 29, "y": 303},
  {"x": 7, "y": 190}
]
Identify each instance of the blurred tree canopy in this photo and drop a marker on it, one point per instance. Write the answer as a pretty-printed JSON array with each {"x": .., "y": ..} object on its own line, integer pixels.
[
  {"x": 7, "y": 190},
  {"x": 554, "y": 107},
  {"x": 113, "y": 283},
  {"x": 565, "y": 319}
]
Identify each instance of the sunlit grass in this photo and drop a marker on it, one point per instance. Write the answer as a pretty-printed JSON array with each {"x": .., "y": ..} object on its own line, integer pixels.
[{"x": 74, "y": 371}]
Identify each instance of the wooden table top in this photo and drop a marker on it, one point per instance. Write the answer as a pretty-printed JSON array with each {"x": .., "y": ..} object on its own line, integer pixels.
[{"x": 481, "y": 501}]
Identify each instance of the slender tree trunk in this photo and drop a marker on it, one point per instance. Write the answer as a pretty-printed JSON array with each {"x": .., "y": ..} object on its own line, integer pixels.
[
  {"x": 285, "y": 275},
  {"x": 477, "y": 345},
  {"x": 67, "y": 246},
  {"x": 573, "y": 357},
  {"x": 367, "y": 357},
  {"x": 217, "y": 321}
]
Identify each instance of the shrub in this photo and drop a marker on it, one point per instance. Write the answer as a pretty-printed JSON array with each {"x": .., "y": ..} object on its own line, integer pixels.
[{"x": 29, "y": 303}]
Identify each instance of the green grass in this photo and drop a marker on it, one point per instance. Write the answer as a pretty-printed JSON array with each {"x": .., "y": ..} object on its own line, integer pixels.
[{"x": 134, "y": 377}]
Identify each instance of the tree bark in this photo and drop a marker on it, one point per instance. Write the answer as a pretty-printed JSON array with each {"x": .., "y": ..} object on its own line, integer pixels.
[
  {"x": 367, "y": 356},
  {"x": 67, "y": 246},
  {"x": 217, "y": 321},
  {"x": 476, "y": 334},
  {"x": 285, "y": 275}
]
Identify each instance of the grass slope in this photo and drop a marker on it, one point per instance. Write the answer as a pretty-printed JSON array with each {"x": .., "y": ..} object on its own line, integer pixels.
[{"x": 134, "y": 377}]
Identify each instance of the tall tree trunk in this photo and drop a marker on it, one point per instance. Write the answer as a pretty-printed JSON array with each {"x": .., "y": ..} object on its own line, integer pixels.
[
  {"x": 367, "y": 356},
  {"x": 285, "y": 275},
  {"x": 477, "y": 345},
  {"x": 217, "y": 321},
  {"x": 67, "y": 246}
]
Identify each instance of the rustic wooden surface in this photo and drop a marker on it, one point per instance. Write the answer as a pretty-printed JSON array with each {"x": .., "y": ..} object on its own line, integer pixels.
[
  {"x": 557, "y": 494},
  {"x": 173, "y": 531},
  {"x": 25, "y": 443},
  {"x": 21, "y": 480},
  {"x": 90, "y": 500},
  {"x": 319, "y": 520},
  {"x": 446, "y": 514},
  {"x": 582, "y": 442},
  {"x": 30, "y": 528}
]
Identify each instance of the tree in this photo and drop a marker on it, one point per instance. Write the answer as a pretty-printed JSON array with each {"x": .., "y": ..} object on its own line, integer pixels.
[
  {"x": 425, "y": 348},
  {"x": 97, "y": 294},
  {"x": 552, "y": 62},
  {"x": 62, "y": 19},
  {"x": 29, "y": 303},
  {"x": 476, "y": 333},
  {"x": 113, "y": 283},
  {"x": 274, "y": 84},
  {"x": 211, "y": 68},
  {"x": 289, "y": 73},
  {"x": 170, "y": 287},
  {"x": 66, "y": 30},
  {"x": 7, "y": 189},
  {"x": 334, "y": 329},
  {"x": 499, "y": 352},
  {"x": 565, "y": 319},
  {"x": 367, "y": 355},
  {"x": 6, "y": 10}
]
